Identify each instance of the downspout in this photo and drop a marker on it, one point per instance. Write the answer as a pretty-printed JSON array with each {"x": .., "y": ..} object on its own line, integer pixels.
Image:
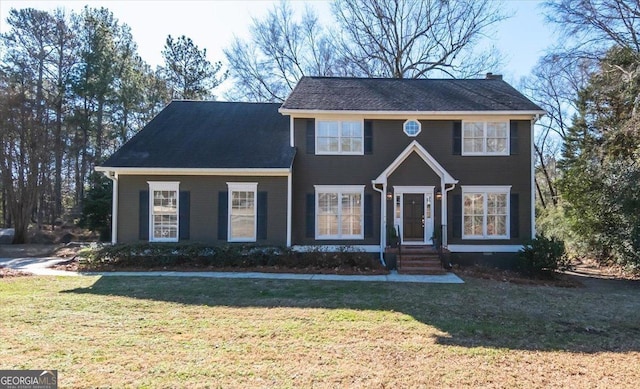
[
  {"x": 114, "y": 205},
  {"x": 383, "y": 219},
  {"x": 533, "y": 177},
  {"x": 445, "y": 196},
  {"x": 289, "y": 202}
]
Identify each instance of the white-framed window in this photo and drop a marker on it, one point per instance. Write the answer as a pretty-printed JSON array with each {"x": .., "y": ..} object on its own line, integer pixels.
[
  {"x": 485, "y": 138},
  {"x": 243, "y": 216},
  {"x": 339, "y": 137},
  {"x": 412, "y": 127},
  {"x": 340, "y": 212},
  {"x": 485, "y": 212},
  {"x": 164, "y": 203}
]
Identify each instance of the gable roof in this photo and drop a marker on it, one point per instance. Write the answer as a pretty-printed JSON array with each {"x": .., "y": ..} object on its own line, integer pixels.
[
  {"x": 406, "y": 95},
  {"x": 210, "y": 134}
]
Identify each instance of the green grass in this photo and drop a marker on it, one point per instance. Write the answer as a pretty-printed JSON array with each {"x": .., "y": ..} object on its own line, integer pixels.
[{"x": 198, "y": 332}]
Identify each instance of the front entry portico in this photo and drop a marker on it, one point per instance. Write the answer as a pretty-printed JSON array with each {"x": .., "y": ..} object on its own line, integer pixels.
[{"x": 411, "y": 209}]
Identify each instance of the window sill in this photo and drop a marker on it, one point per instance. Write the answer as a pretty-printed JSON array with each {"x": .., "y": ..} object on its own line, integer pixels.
[{"x": 481, "y": 237}]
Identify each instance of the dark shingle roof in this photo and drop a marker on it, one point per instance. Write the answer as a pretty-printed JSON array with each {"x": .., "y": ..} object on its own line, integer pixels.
[
  {"x": 207, "y": 134},
  {"x": 385, "y": 94}
]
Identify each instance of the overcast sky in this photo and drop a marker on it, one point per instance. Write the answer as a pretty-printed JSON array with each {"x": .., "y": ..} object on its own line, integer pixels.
[{"x": 212, "y": 25}]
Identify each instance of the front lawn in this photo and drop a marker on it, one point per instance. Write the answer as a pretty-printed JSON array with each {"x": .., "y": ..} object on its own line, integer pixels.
[{"x": 198, "y": 332}]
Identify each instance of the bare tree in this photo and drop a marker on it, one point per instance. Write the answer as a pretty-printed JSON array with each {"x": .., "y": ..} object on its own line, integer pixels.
[
  {"x": 282, "y": 50},
  {"x": 415, "y": 38},
  {"x": 378, "y": 38},
  {"x": 596, "y": 25}
]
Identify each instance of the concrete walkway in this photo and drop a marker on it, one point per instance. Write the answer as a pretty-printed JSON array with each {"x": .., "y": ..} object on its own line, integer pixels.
[{"x": 40, "y": 267}]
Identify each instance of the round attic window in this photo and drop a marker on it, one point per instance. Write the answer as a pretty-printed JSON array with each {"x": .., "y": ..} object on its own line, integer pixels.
[{"x": 411, "y": 127}]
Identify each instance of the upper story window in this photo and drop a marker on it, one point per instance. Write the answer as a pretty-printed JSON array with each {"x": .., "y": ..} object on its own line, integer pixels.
[
  {"x": 485, "y": 138},
  {"x": 339, "y": 137},
  {"x": 412, "y": 127},
  {"x": 163, "y": 211}
]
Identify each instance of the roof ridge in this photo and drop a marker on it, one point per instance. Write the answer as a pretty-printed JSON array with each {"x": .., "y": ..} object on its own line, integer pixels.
[{"x": 401, "y": 79}]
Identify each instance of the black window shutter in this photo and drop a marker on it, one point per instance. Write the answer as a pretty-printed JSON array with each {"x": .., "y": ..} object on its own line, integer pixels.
[
  {"x": 457, "y": 138},
  {"x": 368, "y": 215},
  {"x": 457, "y": 216},
  {"x": 184, "y": 214},
  {"x": 513, "y": 138},
  {"x": 311, "y": 136},
  {"x": 310, "y": 231},
  {"x": 223, "y": 210},
  {"x": 368, "y": 137},
  {"x": 143, "y": 216},
  {"x": 262, "y": 215},
  {"x": 514, "y": 215}
]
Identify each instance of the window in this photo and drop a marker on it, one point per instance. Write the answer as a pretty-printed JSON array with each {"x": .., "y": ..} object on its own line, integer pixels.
[
  {"x": 485, "y": 212},
  {"x": 339, "y": 137},
  {"x": 485, "y": 138},
  {"x": 242, "y": 212},
  {"x": 163, "y": 213},
  {"x": 339, "y": 212},
  {"x": 412, "y": 127}
]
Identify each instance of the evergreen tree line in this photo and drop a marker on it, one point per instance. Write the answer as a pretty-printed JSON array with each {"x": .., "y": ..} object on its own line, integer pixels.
[
  {"x": 72, "y": 90},
  {"x": 588, "y": 145}
]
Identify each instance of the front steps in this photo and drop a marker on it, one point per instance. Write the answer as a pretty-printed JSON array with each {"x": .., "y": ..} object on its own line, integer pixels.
[{"x": 419, "y": 260}]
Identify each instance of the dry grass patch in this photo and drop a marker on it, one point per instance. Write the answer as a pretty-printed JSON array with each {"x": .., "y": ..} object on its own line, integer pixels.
[{"x": 195, "y": 332}]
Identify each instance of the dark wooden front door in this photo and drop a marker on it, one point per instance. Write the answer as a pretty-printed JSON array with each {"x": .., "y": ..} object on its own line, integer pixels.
[{"x": 413, "y": 217}]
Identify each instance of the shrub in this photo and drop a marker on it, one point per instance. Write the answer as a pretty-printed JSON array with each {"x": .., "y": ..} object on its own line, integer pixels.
[
  {"x": 151, "y": 255},
  {"x": 542, "y": 255}
]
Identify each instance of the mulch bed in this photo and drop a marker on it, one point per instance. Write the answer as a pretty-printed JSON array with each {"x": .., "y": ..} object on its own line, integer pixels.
[
  {"x": 5, "y": 272},
  {"x": 73, "y": 265},
  {"x": 554, "y": 279}
]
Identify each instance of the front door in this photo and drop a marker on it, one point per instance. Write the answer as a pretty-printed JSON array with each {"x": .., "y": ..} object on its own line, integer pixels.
[{"x": 413, "y": 217}]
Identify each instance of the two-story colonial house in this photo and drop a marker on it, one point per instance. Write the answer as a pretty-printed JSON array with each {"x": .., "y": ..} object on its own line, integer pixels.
[{"x": 340, "y": 162}]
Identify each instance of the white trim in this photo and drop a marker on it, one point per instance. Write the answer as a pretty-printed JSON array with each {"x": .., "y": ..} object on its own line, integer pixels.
[
  {"x": 485, "y": 153},
  {"x": 168, "y": 186},
  {"x": 533, "y": 184},
  {"x": 414, "y": 146},
  {"x": 413, "y": 189},
  {"x": 114, "y": 205},
  {"x": 291, "y": 132},
  {"x": 289, "y": 207},
  {"x": 368, "y": 248},
  {"x": 340, "y": 121},
  {"x": 405, "y": 114},
  {"x": 339, "y": 189},
  {"x": 263, "y": 172},
  {"x": 484, "y": 190},
  {"x": 242, "y": 187},
  {"x": 114, "y": 211},
  {"x": 404, "y": 127},
  {"x": 484, "y": 248}
]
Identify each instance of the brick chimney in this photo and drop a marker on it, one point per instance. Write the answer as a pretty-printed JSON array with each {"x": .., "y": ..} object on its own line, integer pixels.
[{"x": 491, "y": 76}]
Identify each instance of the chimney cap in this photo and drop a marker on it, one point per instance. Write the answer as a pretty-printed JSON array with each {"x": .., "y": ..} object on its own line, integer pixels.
[{"x": 491, "y": 76}]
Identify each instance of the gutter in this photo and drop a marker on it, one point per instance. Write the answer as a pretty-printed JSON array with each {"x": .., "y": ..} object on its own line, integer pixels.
[{"x": 114, "y": 205}]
